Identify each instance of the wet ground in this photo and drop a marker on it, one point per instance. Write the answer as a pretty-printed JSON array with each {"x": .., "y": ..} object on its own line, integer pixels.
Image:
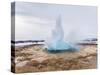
[{"x": 35, "y": 58}]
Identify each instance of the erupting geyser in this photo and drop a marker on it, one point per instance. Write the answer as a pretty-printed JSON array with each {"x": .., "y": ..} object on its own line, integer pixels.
[{"x": 57, "y": 44}]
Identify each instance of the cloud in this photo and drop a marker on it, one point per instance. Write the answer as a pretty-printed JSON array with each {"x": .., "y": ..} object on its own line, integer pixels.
[
  {"x": 37, "y": 20},
  {"x": 27, "y": 27}
]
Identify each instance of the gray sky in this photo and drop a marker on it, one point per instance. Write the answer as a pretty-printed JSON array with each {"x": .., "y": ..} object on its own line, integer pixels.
[{"x": 35, "y": 21}]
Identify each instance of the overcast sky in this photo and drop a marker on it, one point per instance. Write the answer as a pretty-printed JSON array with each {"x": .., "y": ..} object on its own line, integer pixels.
[{"x": 35, "y": 21}]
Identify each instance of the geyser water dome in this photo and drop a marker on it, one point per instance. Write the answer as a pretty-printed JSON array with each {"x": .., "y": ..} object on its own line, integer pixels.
[{"x": 57, "y": 44}]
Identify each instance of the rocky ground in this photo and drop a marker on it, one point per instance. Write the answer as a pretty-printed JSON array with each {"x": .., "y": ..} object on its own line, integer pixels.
[{"x": 35, "y": 58}]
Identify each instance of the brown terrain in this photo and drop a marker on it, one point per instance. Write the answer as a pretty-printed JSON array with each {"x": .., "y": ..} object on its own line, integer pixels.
[{"x": 35, "y": 58}]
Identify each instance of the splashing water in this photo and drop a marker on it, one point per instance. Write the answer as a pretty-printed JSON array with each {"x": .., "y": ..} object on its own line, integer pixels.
[{"x": 58, "y": 44}]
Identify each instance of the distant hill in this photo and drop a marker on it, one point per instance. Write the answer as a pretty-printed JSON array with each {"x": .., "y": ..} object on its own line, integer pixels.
[
  {"x": 89, "y": 41},
  {"x": 27, "y": 41}
]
